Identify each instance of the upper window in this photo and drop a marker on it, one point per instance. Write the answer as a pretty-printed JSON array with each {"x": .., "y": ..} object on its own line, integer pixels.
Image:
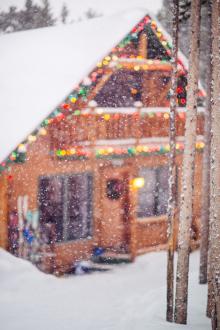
[
  {"x": 66, "y": 202},
  {"x": 122, "y": 89},
  {"x": 155, "y": 50},
  {"x": 153, "y": 197}
]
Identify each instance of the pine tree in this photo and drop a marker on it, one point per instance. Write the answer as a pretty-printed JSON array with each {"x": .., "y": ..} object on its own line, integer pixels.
[
  {"x": 9, "y": 21},
  {"x": 188, "y": 170},
  {"x": 27, "y": 17},
  {"x": 91, "y": 13},
  {"x": 64, "y": 13},
  {"x": 47, "y": 17},
  {"x": 32, "y": 16},
  {"x": 165, "y": 18}
]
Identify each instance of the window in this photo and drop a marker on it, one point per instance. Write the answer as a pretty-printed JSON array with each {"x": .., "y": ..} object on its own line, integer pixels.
[
  {"x": 155, "y": 50},
  {"x": 122, "y": 89},
  {"x": 66, "y": 202},
  {"x": 153, "y": 197}
]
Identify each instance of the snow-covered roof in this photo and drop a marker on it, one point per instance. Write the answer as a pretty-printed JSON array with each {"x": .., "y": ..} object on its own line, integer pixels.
[{"x": 38, "y": 68}]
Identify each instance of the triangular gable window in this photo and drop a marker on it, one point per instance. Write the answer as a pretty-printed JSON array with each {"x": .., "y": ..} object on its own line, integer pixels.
[
  {"x": 154, "y": 48},
  {"x": 121, "y": 90}
]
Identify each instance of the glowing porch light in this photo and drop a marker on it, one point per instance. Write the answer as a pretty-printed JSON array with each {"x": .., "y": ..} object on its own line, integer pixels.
[{"x": 138, "y": 183}]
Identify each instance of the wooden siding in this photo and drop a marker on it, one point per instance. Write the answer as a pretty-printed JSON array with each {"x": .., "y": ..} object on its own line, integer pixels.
[
  {"x": 4, "y": 182},
  {"x": 145, "y": 233}
]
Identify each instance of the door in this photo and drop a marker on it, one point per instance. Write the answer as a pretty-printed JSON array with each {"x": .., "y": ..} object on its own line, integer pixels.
[{"x": 115, "y": 213}]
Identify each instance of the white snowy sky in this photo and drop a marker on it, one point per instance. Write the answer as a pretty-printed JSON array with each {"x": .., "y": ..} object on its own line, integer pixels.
[{"x": 78, "y": 7}]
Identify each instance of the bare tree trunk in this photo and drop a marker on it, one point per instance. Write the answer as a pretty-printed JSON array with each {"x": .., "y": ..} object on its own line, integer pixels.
[
  {"x": 206, "y": 170},
  {"x": 214, "y": 253},
  {"x": 188, "y": 170},
  {"x": 172, "y": 172}
]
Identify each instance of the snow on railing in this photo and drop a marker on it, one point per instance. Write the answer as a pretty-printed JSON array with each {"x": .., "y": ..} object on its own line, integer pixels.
[{"x": 131, "y": 110}]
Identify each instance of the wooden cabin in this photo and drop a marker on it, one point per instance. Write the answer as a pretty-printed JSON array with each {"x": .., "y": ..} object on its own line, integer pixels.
[{"x": 93, "y": 176}]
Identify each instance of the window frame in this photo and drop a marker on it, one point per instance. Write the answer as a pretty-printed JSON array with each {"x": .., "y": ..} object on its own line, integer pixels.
[
  {"x": 155, "y": 216},
  {"x": 90, "y": 193}
]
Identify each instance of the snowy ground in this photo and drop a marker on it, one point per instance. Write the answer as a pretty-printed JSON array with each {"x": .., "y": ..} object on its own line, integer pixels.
[{"x": 130, "y": 297}]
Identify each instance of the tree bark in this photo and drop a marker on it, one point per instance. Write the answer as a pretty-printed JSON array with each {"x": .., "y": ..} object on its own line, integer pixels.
[
  {"x": 172, "y": 172},
  {"x": 206, "y": 169},
  {"x": 214, "y": 252},
  {"x": 188, "y": 170}
]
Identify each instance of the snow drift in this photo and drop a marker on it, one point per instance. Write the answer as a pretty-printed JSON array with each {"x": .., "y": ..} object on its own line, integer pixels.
[{"x": 131, "y": 297}]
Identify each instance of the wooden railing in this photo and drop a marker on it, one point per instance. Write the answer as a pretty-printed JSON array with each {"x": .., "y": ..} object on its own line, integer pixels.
[{"x": 113, "y": 124}]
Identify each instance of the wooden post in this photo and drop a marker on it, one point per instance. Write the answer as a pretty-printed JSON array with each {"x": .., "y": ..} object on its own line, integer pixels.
[
  {"x": 206, "y": 169},
  {"x": 132, "y": 190},
  {"x": 218, "y": 312},
  {"x": 186, "y": 207},
  {"x": 52, "y": 245},
  {"x": 20, "y": 227},
  {"x": 138, "y": 105},
  {"x": 214, "y": 242},
  {"x": 142, "y": 47},
  {"x": 172, "y": 172},
  {"x": 92, "y": 131},
  {"x": 92, "y": 139},
  {"x": 133, "y": 235},
  {"x": 4, "y": 211}
]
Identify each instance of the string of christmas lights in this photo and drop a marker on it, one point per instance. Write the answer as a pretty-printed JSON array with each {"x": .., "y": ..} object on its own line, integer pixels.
[
  {"x": 81, "y": 92},
  {"x": 140, "y": 150}
]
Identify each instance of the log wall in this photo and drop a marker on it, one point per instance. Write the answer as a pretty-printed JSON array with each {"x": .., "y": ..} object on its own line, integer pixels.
[{"x": 24, "y": 181}]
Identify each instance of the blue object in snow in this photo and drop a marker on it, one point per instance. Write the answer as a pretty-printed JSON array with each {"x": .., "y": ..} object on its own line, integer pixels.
[
  {"x": 98, "y": 251},
  {"x": 28, "y": 235}
]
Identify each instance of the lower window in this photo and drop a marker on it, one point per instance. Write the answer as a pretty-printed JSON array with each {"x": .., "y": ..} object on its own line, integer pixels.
[
  {"x": 65, "y": 203},
  {"x": 153, "y": 197}
]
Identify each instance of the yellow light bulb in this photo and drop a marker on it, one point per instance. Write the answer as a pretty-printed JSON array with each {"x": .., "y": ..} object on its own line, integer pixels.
[
  {"x": 136, "y": 68},
  {"x": 106, "y": 116},
  {"x": 73, "y": 99},
  {"x": 115, "y": 58},
  {"x": 139, "y": 148},
  {"x": 138, "y": 183},
  {"x": 42, "y": 131},
  {"x": 167, "y": 147},
  {"x": 32, "y": 138},
  {"x": 145, "y": 148},
  {"x": 22, "y": 148},
  {"x": 110, "y": 150}
]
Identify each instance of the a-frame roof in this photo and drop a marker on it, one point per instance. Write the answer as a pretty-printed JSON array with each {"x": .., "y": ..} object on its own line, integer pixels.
[
  {"x": 48, "y": 62},
  {"x": 38, "y": 68}
]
